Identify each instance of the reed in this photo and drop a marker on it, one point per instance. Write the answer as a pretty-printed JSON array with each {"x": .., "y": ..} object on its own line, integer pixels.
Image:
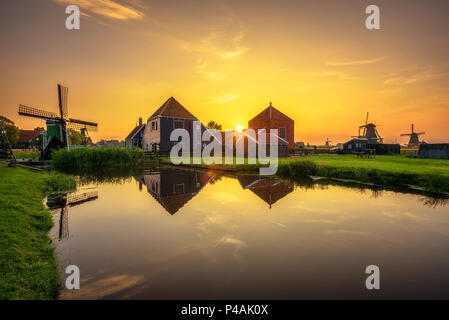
[{"x": 91, "y": 159}]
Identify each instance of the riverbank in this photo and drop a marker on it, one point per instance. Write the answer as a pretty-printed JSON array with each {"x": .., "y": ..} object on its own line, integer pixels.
[
  {"x": 27, "y": 260},
  {"x": 393, "y": 170}
]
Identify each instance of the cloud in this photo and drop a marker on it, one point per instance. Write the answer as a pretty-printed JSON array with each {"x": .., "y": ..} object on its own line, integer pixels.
[
  {"x": 225, "y": 98},
  {"x": 217, "y": 52},
  {"x": 410, "y": 77},
  {"x": 326, "y": 74},
  {"x": 111, "y": 9},
  {"x": 353, "y": 63}
]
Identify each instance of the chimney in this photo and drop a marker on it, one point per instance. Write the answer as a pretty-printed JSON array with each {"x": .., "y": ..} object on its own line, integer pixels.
[{"x": 140, "y": 121}]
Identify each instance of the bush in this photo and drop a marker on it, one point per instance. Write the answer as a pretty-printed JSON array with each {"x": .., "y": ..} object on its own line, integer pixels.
[
  {"x": 58, "y": 182},
  {"x": 300, "y": 168},
  {"x": 89, "y": 159}
]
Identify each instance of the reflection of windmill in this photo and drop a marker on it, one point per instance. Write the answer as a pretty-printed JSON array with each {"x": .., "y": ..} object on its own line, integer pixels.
[
  {"x": 63, "y": 203},
  {"x": 57, "y": 123},
  {"x": 369, "y": 132},
  {"x": 414, "y": 136}
]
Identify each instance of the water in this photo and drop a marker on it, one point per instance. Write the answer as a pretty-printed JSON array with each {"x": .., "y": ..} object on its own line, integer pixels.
[{"x": 175, "y": 234}]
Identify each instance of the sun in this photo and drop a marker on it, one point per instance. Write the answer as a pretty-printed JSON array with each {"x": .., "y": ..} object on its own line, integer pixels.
[{"x": 239, "y": 128}]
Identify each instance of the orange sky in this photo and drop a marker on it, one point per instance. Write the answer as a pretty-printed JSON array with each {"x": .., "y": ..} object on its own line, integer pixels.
[{"x": 226, "y": 60}]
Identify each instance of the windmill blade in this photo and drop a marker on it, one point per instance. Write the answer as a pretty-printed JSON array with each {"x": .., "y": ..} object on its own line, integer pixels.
[
  {"x": 366, "y": 121},
  {"x": 63, "y": 93},
  {"x": 37, "y": 113},
  {"x": 420, "y": 133},
  {"x": 405, "y": 134},
  {"x": 80, "y": 124}
]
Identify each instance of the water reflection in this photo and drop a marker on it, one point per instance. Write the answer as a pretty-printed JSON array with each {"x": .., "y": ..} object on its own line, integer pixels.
[
  {"x": 268, "y": 189},
  {"x": 60, "y": 203},
  {"x": 173, "y": 188},
  {"x": 202, "y": 235}
]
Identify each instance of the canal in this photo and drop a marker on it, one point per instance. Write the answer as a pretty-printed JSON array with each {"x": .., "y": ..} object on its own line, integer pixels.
[{"x": 175, "y": 234}]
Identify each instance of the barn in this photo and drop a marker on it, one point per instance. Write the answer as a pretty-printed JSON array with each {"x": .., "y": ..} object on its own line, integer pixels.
[
  {"x": 170, "y": 116},
  {"x": 433, "y": 151},
  {"x": 363, "y": 144},
  {"x": 135, "y": 137},
  {"x": 272, "y": 118}
]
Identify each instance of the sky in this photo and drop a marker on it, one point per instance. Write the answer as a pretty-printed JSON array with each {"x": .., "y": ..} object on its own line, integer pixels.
[{"x": 226, "y": 60}]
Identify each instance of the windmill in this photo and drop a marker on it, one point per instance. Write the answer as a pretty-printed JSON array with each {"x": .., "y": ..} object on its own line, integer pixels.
[
  {"x": 327, "y": 143},
  {"x": 414, "y": 136},
  {"x": 369, "y": 131},
  {"x": 63, "y": 203},
  {"x": 58, "y": 124}
]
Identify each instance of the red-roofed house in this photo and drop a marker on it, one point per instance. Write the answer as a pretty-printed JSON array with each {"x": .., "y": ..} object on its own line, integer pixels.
[
  {"x": 27, "y": 139},
  {"x": 271, "y": 118}
]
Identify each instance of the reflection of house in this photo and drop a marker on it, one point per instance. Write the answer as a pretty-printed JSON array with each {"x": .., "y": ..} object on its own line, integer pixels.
[
  {"x": 271, "y": 118},
  {"x": 170, "y": 116},
  {"x": 134, "y": 138},
  {"x": 174, "y": 188},
  {"x": 269, "y": 190}
]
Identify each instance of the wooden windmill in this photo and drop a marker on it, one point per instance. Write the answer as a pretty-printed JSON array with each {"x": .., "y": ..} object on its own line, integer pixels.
[
  {"x": 414, "y": 136},
  {"x": 58, "y": 123},
  {"x": 369, "y": 131}
]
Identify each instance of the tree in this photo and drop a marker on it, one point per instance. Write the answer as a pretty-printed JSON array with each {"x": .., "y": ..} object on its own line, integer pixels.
[
  {"x": 75, "y": 137},
  {"x": 12, "y": 132},
  {"x": 213, "y": 125}
]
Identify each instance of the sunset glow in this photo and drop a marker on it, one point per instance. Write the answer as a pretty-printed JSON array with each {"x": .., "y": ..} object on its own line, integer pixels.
[{"x": 225, "y": 61}]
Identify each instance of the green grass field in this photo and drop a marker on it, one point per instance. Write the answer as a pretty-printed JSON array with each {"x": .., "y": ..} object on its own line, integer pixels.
[
  {"x": 392, "y": 163},
  {"x": 27, "y": 261},
  {"x": 426, "y": 174},
  {"x": 390, "y": 170},
  {"x": 27, "y": 155}
]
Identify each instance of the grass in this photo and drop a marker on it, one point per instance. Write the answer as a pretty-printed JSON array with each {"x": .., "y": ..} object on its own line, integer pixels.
[
  {"x": 427, "y": 174},
  {"x": 27, "y": 260},
  {"x": 93, "y": 159},
  {"x": 389, "y": 170},
  {"x": 27, "y": 155}
]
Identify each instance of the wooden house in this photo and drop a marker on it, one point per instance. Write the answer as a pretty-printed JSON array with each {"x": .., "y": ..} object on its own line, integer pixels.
[
  {"x": 363, "y": 144},
  {"x": 170, "y": 116},
  {"x": 271, "y": 118},
  {"x": 433, "y": 151},
  {"x": 135, "y": 137},
  {"x": 28, "y": 139}
]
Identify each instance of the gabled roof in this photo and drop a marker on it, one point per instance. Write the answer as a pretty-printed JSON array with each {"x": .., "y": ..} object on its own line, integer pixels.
[
  {"x": 270, "y": 113},
  {"x": 134, "y": 132},
  {"x": 27, "y": 135},
  {"x": 173, "y": 109},
  {"x": 268, "y": 189}
]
